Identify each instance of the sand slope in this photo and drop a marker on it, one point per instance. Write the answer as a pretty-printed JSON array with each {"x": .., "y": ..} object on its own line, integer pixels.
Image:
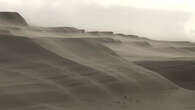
[
  {"x": 41, "y": 70},
  {"x": 181, "y": 72},
  {"x": 55, "y": 73}
]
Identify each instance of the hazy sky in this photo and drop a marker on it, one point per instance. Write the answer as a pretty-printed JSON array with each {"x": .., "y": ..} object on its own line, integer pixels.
[{"x": 157, "y": 19}]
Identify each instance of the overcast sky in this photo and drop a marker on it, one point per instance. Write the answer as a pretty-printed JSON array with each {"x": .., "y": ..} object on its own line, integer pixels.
[{"x": 157, "y": 19}]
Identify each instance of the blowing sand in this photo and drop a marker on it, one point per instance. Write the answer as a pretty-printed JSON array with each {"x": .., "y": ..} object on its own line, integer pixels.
[{"x": 41, "y": 70}]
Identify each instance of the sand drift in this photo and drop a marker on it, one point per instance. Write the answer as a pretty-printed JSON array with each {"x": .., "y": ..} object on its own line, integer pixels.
[{"x": 51, "y": 69}]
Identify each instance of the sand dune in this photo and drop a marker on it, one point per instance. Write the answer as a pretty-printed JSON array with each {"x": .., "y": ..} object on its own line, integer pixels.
[
  {"x": 152, "y": 50},
  {"x": 86, "y": 72},
  {"x": 12, "y": 18},
  {"x": 180, "y": 72}
]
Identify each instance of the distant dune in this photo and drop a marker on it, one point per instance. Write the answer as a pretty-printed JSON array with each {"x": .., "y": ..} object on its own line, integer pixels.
[
  {"x": 58, "y": 68},
  {"x": 66, "y": 30}
]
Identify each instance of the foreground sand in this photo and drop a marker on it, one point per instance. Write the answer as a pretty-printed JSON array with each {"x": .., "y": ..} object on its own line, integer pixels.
[{"x": 47, "y": 70}]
